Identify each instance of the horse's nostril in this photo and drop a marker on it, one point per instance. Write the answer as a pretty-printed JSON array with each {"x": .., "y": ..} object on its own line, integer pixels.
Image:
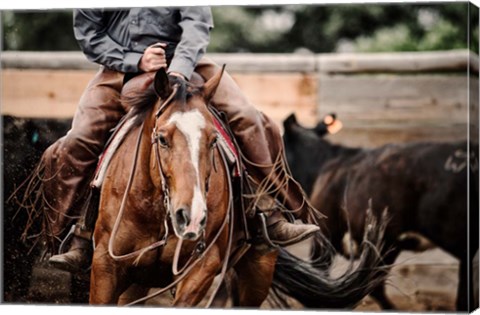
[
  {"x": 203, "y": 222},
  {"x": 182, "y": 217},
  {"x": 190, "y": 236}
]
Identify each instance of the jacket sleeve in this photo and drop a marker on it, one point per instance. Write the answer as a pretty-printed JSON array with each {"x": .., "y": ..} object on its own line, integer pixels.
[
  {"x": 90, "y": 32},
  {"x": 196, "y": 24}
]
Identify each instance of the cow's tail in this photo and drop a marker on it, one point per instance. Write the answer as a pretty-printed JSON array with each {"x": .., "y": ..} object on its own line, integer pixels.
[{"x": 312, "y": 285}]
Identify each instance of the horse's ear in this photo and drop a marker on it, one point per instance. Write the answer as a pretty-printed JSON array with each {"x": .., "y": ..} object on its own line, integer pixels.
[
  {"x": 162, "y": 84},
  {"x": 290, "y": 121},
  {"x": 210, "y": 87}
]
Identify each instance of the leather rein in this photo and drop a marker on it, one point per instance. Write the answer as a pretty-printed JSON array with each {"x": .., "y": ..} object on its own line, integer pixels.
[{"x": 201, "y": 249}]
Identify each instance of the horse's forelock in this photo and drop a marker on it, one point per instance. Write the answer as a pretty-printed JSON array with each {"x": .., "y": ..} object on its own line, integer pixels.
[
  {"x": 141, "y": 100},
  {"x": 185, "y": 91}
]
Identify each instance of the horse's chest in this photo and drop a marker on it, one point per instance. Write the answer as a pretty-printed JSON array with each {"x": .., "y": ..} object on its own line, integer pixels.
[{"x": 154, "y": 275}]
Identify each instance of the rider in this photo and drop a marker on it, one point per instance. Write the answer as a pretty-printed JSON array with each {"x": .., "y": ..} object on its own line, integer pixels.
[{"x": 132, "y": 41}]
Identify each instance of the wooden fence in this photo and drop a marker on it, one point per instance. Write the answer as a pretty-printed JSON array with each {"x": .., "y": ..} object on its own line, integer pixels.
[
  {"x": 382, "y": 97},
  {"x": 400, "y": 97}
]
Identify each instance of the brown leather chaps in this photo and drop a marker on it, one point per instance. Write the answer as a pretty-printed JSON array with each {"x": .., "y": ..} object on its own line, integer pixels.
[{"x": 71, "y": 161}]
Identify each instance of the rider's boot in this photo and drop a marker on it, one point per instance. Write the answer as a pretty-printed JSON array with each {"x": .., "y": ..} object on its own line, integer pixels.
[
  {"x": 260, "y": 140},
  {"x": 283, "y": 233},
  {"x": 79, "y": 255},
  {"x": 268, "y": 165}
]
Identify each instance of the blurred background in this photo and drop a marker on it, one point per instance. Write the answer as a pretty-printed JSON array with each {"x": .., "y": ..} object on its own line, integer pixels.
[
  {"x": 286, "y": 29},
  {"x": 393, "y": 73}
]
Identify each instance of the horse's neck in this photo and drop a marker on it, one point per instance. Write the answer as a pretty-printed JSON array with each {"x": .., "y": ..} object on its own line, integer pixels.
[
  {"x": 144, "y": 177},
  {"x": 146, "y": 153},
  {"x": 145, "y": 192}
]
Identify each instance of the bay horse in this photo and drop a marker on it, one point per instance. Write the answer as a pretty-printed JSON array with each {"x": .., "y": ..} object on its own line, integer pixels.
[{"x": 165, "y": 216}]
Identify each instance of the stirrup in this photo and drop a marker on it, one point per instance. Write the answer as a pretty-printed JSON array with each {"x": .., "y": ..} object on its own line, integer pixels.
[
  {"x": 75, "y": 230},
  {"x": 263, "y": 226},
  {"x": 63, "y": 245}
]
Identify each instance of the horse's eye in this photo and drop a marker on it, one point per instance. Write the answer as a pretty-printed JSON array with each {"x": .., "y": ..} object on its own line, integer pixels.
[
  {"x": 214, "y": 143},
  {"x": 163, "y": 141}
]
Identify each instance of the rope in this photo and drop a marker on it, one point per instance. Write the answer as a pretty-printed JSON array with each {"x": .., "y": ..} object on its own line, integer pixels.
[
  {"x": 199, "y": 258},
  {"x": 142, "y": 251},
  {"x": 190, "y": 263}
]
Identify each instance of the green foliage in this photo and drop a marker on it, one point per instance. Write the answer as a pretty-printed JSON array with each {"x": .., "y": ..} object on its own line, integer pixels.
[
  {"x": 255, "y": 29},
  {"x": 38, "y": 30},
  {"x": 399, "y": 38},
  {"x": 474, "y": 25},
  {"x": 444, "y": 36},
  {"x": 474, "y": 43},
  {"x": 231, "y": 28},
  {"x": 318, "y": 28},
  {"x": 396, "y": 38},
  {"x": 440, "y": 27}
]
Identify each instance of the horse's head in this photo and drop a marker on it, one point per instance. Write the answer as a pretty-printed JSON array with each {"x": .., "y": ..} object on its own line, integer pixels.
[{"x": 185, "y": 138}]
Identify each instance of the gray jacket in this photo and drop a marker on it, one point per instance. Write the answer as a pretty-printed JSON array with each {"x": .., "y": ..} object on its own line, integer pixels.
[{"x": 117, "y": 39}]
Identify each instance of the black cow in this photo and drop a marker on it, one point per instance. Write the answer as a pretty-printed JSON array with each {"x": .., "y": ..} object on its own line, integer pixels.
[
  {"x": 24, "y": 140},
  {"x": 423, "y": 185}
]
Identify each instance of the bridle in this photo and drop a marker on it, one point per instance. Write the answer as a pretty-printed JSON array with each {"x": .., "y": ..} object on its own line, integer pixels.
[
  {"x": 166, "y": 199},
  {"x": 165, "y": 190},
  {"x": 201, "y": 248},
  {"x": 155, "y": 141}
]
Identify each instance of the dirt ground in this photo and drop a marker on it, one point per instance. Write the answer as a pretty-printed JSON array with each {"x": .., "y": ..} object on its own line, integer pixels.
[
  {"x": 421, "y": 282},
  {"x": 418, "y": 282}
]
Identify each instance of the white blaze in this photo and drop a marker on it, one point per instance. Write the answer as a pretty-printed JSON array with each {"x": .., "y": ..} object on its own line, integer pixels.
[{"x": 190, "y": 124}]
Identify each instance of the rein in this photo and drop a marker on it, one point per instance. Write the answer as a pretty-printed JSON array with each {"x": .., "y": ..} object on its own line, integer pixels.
[
  {"x": 200, "y": 250},
  {"x": 138, "y": 252},
  {"x": 163, "y": 241},
  {"x": 188, "y": 268}
]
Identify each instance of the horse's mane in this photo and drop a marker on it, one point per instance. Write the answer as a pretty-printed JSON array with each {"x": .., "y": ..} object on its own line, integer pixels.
[{"x": 141, "y": 101}]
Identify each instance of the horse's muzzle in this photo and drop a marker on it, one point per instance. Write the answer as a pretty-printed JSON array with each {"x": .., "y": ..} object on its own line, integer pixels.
[{"x": 189, "y": 228}]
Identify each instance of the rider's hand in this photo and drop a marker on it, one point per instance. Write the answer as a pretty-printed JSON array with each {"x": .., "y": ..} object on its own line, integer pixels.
[
  {"x": 175, "y": 77},
  {"x": 153, "y": 58}
]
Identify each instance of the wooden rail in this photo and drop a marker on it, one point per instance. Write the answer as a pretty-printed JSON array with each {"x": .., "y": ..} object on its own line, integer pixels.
[
  {"x": 455, "y": 60},
  {"x": 380, "y": 97}
]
